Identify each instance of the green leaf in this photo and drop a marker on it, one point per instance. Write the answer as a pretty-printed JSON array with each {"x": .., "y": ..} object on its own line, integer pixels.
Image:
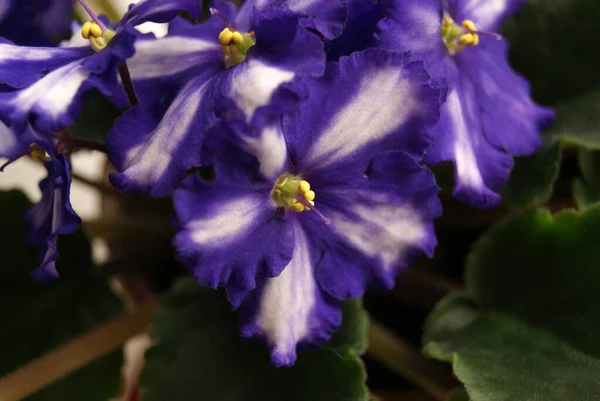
[
  {"x": 526, "y": 328},
  {"x": 460, "y": 394},
  {"x": 586, "y": 190},
  {"x": 39, "y": 317},
  {"x": 532, "y": 180},
  {"x": 197, "y": 353},
  {"x": 553, "y": 43}
]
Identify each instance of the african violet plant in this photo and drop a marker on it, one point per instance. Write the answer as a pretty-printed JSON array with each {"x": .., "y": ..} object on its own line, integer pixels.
[{"x": 271, "y": 163}]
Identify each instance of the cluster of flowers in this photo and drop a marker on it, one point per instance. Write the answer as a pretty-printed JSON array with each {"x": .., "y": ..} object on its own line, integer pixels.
[{"x": 318, "y": 117}]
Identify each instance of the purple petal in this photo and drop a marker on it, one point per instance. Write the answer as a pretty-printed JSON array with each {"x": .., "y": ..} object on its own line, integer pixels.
[
  {"x": 23, "y": 66},
  {"x": 381, "y": 220},
  {"x": 510, "y": 119},
  {"x": 486, "y": 14},
  {"x": 159, "y": 11},
  {"x": 217, "y": 219},
  {"x": 54, "y": 102},
  {"x": 52, "y": 216},
  {"x": 291, "y": 310},
  {"x": 368, "y": 102},
  {"x": 153, "y": 156},
  {"x": 329, "y": 15}
]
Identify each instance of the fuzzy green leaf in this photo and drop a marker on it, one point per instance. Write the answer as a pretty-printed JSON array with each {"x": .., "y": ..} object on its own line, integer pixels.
[
  {"x": 198, "y": 354},
  {"x": 526, "y": 328}
]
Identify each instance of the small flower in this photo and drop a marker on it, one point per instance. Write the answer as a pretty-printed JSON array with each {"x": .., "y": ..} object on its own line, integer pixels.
[
  {"x": 315, "y": 207},
  {"x": 489, "y": 116},
  {"x": 49, "y": 82},
  {"x": 221, "y": 71},
  {"x": 34, "y": 22},
  {"x": 53, "y": 215}
]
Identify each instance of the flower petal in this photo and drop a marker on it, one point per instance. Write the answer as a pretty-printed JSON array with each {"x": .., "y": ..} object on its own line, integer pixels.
[
  {"x": 291, "y": 309},
  {"x": 414, "y": 25},
  {"x": 23, "y": 66},
  {"x": 195, "y": 47},
  {"x": 10, "y": 147},
  {"x": 153, "y": 156},
  {"x": 217, "y": 219},
  {"x": 329, "y": 15},
  {"x": 481, "y": 169},
  {"x": 510, "y": 119},
  {"x": 159, "y": 11},
  {"x": 486, "y": 14},
  {"x": 381, "y": 220},
  {"x": 53, "y": 102},
  {"x": 368, "y": 102},
  {"x": 52, "y": 216}
]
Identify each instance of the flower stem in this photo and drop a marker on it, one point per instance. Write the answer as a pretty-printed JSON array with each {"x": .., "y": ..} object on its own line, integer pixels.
[
  {"x": 128, "y": 84},
  {"x": 75, "y": 354},
  {"x": 408, "y": 362}
]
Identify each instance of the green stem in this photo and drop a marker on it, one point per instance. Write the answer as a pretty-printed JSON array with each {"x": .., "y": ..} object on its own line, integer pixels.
[{"x": 408, "y": 362}]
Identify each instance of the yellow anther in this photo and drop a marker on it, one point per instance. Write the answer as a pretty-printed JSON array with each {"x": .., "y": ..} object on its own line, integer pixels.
[
  {"x": 95, "y": 30},
  {"x": 298, "y": 207},
  {"x": 468, "y": 24},
  {"x": 237, "y": 38},
  {"x": 97, "y": 43},
  {"x": 309, "y": 195},
  {"x": 304, "y": 187},
  {"x": 225, "y": 37},
  {"x": 467, "y": 39},
  {"x": 85, "y": 30},
  {"x": 38, "y": 155}
]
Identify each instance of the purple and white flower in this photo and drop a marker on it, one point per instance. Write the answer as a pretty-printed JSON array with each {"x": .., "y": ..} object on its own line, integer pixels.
[
  {"x": 318, "y": 205},
  {"x": 217, "y": 67},
  {"x": 489, "y": 116},
  {"x": 48, "y": 83}
]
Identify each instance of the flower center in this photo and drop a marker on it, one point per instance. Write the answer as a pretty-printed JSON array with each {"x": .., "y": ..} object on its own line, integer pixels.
[
  {"x": 235, "y": 44},
  {"x": 97, "y": 33},
  {"x": 292, "y": 192},
  {"x": 457, "y": 37}
]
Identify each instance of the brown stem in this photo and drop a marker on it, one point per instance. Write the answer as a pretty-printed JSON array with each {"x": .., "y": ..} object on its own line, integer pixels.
[
  {"x": 128, "y": 84},
  {"x": 100, "y": 186},
  {"x": 75, "y": 354},
  {"x": 408, "y": 362}
]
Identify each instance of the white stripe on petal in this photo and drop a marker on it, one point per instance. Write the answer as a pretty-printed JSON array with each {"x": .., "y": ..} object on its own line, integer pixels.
[
  {"x": 484, "y": 13},
  {"x": 254, "y": 85},
  {"x": 289, "y": 299},
  {"x": 270, "y": 149},
  {"x": 300, "y": 5},
  {"x": 467, "y": 169},
  {"x": 227, "y": 223},
  {"x": 169, "y": 56},
  {"x": 146, "y": 163},
  {"x": 383, "y": 103},
  {"x": 10, "y": 52},
  {"x": 382, "y": 231},
  {"x": 54, "y": 93}
]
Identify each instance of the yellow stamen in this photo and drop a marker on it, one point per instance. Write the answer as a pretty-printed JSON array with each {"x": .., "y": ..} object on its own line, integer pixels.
[
  {"x": 85, "y": 30},
  {"x": 95, "y": 30},
  {"x": 237, "y": 38},
  {"x": 304, "y": 186},
  {"x": 38, "y": 155},
  {"x": 298, "y": 207},
  {"x": 225, "y": 37},
  {"x": 309, "y": 195}
]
